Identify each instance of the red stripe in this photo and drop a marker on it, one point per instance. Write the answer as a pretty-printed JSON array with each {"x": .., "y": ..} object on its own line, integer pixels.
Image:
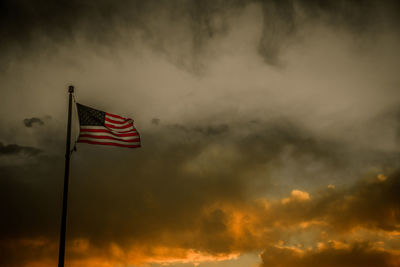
[
  {"x": 106, "y": 130},
  {"x": 110, "y": 132},
  {"x": 117, "y": 122},
  {"x": 110, "y": 138},
  {"x": 120, "y": 132},
  {"x": 118, "y": 127},
  {"x": 128, "y": 131},
  {"x": 106, "y": 143},
  {"x": 115, "y": 116}
]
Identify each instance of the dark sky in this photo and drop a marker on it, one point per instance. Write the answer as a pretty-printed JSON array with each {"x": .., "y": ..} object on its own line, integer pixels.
[{"x": 270, "y": 133}]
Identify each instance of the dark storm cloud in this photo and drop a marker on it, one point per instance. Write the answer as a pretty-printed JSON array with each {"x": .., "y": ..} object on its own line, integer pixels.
[
  {"x": 155, "y": 121},
  {"x": 15, "y": 149},
  {"x": 283, "y": 20},
  {"x": 28, "y": 122},
  {"x": 213, "y": 130},
  {"x": 374, "y": 204},
  {"x": 30, "y": 195},
  {"x": 174, "y": 187},
  {"x": 169, "y": 192},
  {"x": 23, "y": 23},
  {"x": 28, "y": 192},
  {"x": 264, "y": 140},
  {"x": 201, "y": 130},
  {"x": 26, "y": 25},
  {"x": 359, "y": 254}
]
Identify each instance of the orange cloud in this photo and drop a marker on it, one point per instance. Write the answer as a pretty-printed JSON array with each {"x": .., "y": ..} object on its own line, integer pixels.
[
  {"x": 330, "y": 225},
  {"x": 80, "y": 253},
  {"x": 296, "y": 195},
  {"x": 330, "y": 254}
]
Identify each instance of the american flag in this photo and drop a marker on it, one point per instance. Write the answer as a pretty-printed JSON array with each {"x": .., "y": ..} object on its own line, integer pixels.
[{"x": 102, "y": 128}]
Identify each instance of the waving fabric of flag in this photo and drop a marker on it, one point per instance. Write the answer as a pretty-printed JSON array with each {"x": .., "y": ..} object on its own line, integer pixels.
[{"x": 102, "y": 128}]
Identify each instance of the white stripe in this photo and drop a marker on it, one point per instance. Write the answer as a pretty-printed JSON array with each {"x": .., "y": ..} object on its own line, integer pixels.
[
  {"x": 110, "y": 135},
  {"x": 114, "y": 118},
  {"x": 117, "y": 131},
  {"x": 107, "y": 141},
  {"x": 110, "y": 128},
  {"x": 118, "y": 124}
]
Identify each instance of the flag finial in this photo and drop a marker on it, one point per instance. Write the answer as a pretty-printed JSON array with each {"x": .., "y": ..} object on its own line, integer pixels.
[{"x": 70, "y": 89}]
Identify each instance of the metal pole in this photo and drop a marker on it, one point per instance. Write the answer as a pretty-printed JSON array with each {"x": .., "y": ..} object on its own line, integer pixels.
[{"x": 61, "y": 252}]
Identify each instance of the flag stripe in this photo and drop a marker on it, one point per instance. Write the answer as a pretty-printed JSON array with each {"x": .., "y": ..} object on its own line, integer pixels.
[
  {"x": 106, "y": 140},
  {"x": 115, "y": 121},
  {"x": 86, "y": 127},
  {"x": 109, "y": 136},
  {"x": 119, "y": 127},
  {"x": 131, "y": 133},
  {"x": 119, "y": 124},
  {"x": 108, "y": 143},
  {"x": 115, "y": 117}
]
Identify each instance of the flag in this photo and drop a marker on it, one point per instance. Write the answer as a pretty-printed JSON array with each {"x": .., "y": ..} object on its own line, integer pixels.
[{"x": 103, "y": 128}]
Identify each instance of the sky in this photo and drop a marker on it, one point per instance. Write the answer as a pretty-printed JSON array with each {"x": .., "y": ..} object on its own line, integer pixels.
[{"x": 270, "y": 133}]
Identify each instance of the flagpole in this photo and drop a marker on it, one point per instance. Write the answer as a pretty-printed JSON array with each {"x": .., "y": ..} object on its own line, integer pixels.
[{"x": 61, "y": 252}]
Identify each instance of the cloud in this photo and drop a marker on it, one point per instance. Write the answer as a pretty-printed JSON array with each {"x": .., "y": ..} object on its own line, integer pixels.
[
  {"x": 155, "y": 121},
  {"x": 357, "y": 254},
  {"x": 206, "y": 193},
  {"x": 296, "y": 195},
  {"x": 222, "y": 229},
  {"x": 29, "y": 122},
  {"x": 42, "y": 252},
  {"x": 198, "y": 23},
  {"x": 15, "y": 149},
  {"x": 205, "y": 131},
  {"x": 368, "y": 204}
]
